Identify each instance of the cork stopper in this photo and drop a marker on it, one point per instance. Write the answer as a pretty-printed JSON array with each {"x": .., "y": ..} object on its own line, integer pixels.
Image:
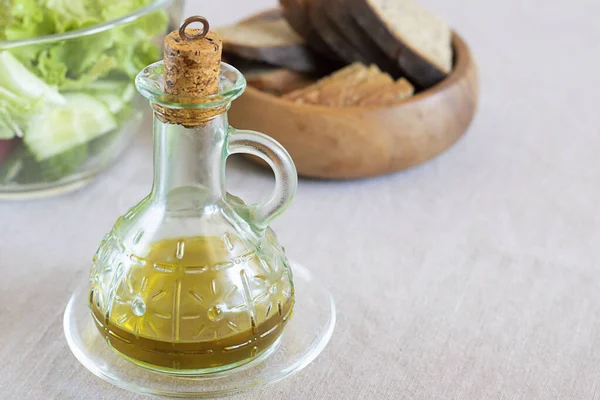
[{"x": 192, "y": 60}]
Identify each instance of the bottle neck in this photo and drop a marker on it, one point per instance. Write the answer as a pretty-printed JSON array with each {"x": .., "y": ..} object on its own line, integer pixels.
[{"x": 189, "y": 164}]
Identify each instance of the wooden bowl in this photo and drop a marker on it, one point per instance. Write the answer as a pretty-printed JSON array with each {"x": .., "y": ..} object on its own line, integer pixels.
[{"x": 356, "y": 142}]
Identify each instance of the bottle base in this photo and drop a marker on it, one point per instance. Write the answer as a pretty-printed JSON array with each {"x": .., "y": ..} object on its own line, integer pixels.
[
  {"x": 202, "y": 371},
  {"x": 304, "y": 338}
]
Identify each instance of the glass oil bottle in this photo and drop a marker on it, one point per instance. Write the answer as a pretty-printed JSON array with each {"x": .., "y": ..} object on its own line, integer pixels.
[{"x": 192, "y": 280}]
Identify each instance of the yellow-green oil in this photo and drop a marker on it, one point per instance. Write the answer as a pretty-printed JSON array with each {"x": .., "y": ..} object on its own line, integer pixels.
[{"x": 182, "y": 308}]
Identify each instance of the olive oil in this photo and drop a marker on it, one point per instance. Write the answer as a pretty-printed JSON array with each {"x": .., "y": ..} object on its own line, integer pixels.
[{"x": 194, "y": 305}]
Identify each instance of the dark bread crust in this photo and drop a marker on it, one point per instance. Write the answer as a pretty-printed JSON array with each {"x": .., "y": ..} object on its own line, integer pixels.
[
  {"x": 340, "y": 14},
  {"x": 330, "y": 34},
  {"x": 417, "y": 69},
  {"x": 296, "y": 13}
]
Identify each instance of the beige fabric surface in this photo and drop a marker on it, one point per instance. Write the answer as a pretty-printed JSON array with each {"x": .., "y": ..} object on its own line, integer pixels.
[{"x": 474, "y": 276}]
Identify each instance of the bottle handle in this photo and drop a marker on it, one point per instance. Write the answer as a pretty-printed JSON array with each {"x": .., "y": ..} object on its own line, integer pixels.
[{"x": 274, "y": 154}]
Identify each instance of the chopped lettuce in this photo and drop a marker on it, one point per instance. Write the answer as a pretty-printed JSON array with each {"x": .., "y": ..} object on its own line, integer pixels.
[
  {"x": 56, "y": 129},
  {"x": 17, "y": 79},
  {"x": 76, "y": 62},
  {"x": 66, "y": 163},
  {"x": 60, "y": 95},
  {"x": 21, "y": 94},
  {"x": 23, "y": 19}
]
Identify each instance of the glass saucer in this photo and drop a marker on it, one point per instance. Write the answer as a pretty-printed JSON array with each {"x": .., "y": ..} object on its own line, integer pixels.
[{"x": 304, "y": 338}]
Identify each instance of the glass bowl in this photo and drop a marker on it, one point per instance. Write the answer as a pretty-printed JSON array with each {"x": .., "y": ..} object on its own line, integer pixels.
[{"x": 68, "y": 105}]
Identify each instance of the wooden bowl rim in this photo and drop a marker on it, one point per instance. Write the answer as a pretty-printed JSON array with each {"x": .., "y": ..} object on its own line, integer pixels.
[{"x": 464, "y": 61}]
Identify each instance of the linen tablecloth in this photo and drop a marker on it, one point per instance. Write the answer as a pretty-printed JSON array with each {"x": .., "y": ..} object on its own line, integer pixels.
[{"x": 474, "y": 276}]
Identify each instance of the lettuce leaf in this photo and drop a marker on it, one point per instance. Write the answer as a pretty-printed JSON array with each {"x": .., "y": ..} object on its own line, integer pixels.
[
  {"x": 21, "y": 93},
  {"x": 34, "y": 78},
  {"x": 74, "y": 63}
]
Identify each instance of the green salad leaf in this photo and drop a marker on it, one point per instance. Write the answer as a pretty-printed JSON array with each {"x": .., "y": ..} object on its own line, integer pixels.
[
  {"x": 21, "y": 94},
  {"x": 76, "y": 62},
  {"x": 52, "y": 94}
]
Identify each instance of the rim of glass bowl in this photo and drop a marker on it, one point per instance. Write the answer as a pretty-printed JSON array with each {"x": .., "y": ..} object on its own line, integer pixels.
[
  {"x": 90, "y": 30},
  {"x": 150, "y": 84}
]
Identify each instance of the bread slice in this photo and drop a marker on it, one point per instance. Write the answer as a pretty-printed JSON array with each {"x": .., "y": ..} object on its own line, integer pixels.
[
  {"x": 345, "y": 92},
  {"x": 391, "y": 94},
  {"x": 331, "y": 35},
  {"x": 277, "y": 81},
  {"x": 340, "y": 15},
  {"x": 378, "y": 83},
  {"x": 268, "y": 40},
  {"x": 419, "y": 40},
  {"x": 312, "y": 93},
  {"x": 296, "y": 13},
  {"x": 351, "y": 86}
]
